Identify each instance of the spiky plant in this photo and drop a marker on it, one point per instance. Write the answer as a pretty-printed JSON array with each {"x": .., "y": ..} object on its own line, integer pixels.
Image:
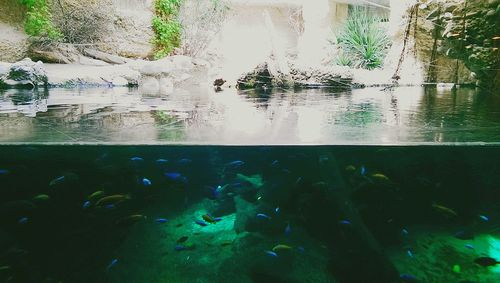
[{"x": 363, "y": 40}]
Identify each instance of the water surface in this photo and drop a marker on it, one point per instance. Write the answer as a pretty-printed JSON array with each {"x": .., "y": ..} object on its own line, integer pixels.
[{"x": 406, "y": 115}]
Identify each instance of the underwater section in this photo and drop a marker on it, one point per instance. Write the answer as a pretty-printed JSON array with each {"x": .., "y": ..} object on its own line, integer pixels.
[{"x": 249, "y": 214}]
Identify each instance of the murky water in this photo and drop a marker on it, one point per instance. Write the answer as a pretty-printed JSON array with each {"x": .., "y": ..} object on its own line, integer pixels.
[
  {"x": 319, "y": 116},
  {"x": 280, "y": 214}
]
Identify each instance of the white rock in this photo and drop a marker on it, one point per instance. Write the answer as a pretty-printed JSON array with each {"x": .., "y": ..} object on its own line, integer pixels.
[{"x": 119, "y": 81}]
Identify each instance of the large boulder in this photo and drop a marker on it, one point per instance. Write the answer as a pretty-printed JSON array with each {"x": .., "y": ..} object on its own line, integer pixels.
[{"x": 27, "y": 72}]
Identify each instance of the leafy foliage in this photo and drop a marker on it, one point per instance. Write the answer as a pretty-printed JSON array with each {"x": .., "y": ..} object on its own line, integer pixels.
[
  {"x": 39, "y": 20},
  {"x": 166, "y": 27},
  {"x": 363, "y": 40}
]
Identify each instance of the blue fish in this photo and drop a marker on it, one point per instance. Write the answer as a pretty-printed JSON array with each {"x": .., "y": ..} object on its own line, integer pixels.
[
  {"x": 23, "y": 220},
  {"x": 236, "y": 163},
  {"x": 4, "y": 171},
  {"x": 184, "y": 161},
  {"x": 86, "y": 204},
  {"x": 161, "y": 220},
  {"x": 408, "y": 278},
  {"x": 301, "y": 249},
  {"x": 175, "y": 176},
  {"x": 484, "y": 218},
  {"x": 161, "y": 160},
  {"x": 110, "y": 206},
  {"x": 288, "y": 229},
  {"x": 57, "y": 181},
  {"x": 179, "y": 248},
  {"x": 469, "y": 246},
  {"x": 277, "y": 210},
  {"x": 345, "y": 222},
  {"x": 410, "y": 253},
  {"x": 363, "y": 170},
  {"x": 136, "y": 158},
  {"x": 271, "y": 253},
  {"x": 146, "y": 182},
  {"x": 112, "y": 263},
  {"x": 201, "y": 223},
  {"x": 263, "y": 216},
  {"x": 217, "y": 219},
  {"x": 236, "y": 185}
]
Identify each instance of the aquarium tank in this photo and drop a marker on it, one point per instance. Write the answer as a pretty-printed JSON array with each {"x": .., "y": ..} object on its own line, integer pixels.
[{"x": 252, "y": 141}]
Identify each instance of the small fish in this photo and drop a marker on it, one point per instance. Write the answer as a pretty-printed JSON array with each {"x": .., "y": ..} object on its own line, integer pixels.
[
  {"x": 217, "y": 219},
  {"x": 179, "y": 248},
  {"x": 277, "y": 210},
  {"x": 345, "y": 222},
  {"x": 137, "y": 158},
  {"x": 184, "y": 161},
  {"x": 410, "y": 253},
  {"x": 445, "y": 211},
  {"x": 4, "y": 171},
  {"x": 464, "y": 235},
  {"x": 234, "y": 164},
  {"x": 86, "y": 204},
  {"x": 350, "y": 168},
  {"x": 96, "y": 195},
  {"x": 161, "y": 220},
  {"x": 299, "y": 180},
  {"x": 131, "y": 219},
  {"x": 182, "y": 239},
  {"x": 404, "y": 232},
  {"x": 469, "y": 246},
  {"x": 495, "y": 37},
  {"x": 408, "y": 278},
  {"x": 486, "y": 261},
  {"x": 263, "y": 216},
  {"x": 56, "y": 181},
  {"x": 323, "y": 159},
  {"x": 23, "y": 220},
  {"x": 161, "y": 161},
  {"x": 5, "y": 267},
  {"x": 201, "y": 223},
  {"x": 288, "y": 230},
  {"x": 113, "y": 199},
  {"x": 146, "y": 182},
  {"x": 271, "y": 253},
  {"x": 208, "y": 218},
  {"x": 380, "y": 177},
  {"x": 110, "y": 206},
  {"x": 41, "y": 198},
  {"x": 112, "y": 263},
  {"x": 275, "y": 163},
  {"x": 484, "y": 218},
  {"x": 301, "y": 249},
  {"x": 363, "y": 170},
  {"x": 175, "y": 176},
  {"x": 281, "y": 248},
  {"x": 226, "y": 243}
]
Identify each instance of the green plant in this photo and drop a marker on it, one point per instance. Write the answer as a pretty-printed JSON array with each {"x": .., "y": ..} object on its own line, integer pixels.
[
  {"x": 363, "y": 40},
  {"x": 39, "y": 20},
  {"x": 166, "y": 27}
]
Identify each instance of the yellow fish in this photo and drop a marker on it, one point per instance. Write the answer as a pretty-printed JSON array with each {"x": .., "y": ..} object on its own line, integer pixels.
[
  {"x": 41, "y": 197},
  {"x": 208, "y": 218},
  {"x": 281, "y": 248},
  {"x": 495, "y": 37},
  {"x": 112, "y": 200},
  {"x": 350, "y": 168},
  {"x": 96, "y": 195},
  {"x": 380, "y": 177},
  {"x": 445, "y": 211}
]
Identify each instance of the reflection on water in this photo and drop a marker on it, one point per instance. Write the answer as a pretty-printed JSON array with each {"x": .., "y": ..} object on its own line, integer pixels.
[{"x": 316, "y": 116}]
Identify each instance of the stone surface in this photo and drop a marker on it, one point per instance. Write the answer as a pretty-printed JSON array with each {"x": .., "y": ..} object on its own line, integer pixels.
[
  {"x": 14, "y": 44},
  {"x": 92, "y": 62},
  {"x": 27, "y": 70}
]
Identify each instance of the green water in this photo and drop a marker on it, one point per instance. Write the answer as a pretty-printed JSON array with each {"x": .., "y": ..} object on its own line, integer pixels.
[{"x": 346, "y": 213}]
